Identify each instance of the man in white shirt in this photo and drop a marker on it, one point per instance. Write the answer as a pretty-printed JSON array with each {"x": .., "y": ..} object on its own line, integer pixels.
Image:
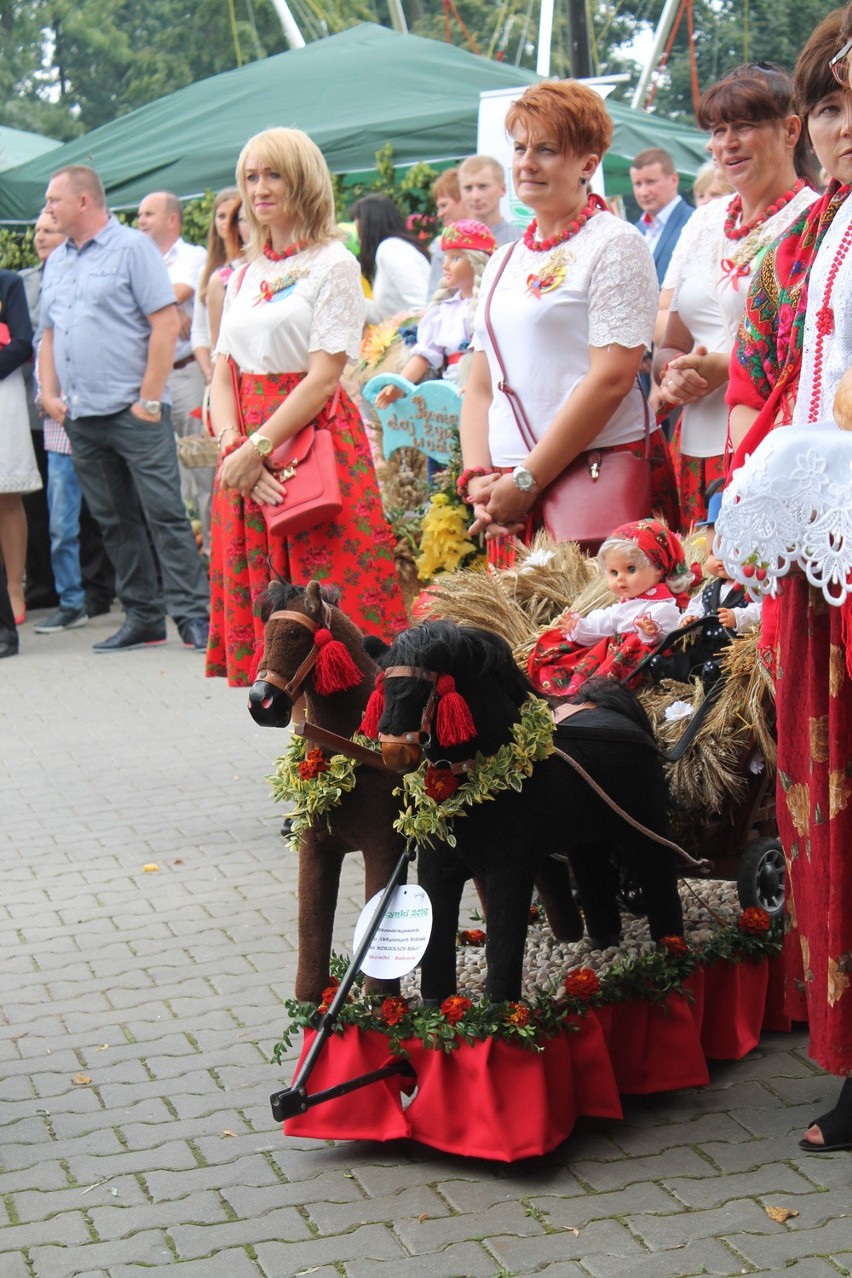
[
  {"x": 664, "y": 212},
  {"x": 482, "y": 185},
  {"x": 160, "y": 218}
]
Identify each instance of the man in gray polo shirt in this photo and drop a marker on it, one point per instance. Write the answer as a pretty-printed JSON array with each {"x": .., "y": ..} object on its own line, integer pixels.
[{"x": 109, "y": 330}]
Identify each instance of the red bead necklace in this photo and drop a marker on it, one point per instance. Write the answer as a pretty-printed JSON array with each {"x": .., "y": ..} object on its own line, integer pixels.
[
  {"x": 735, "y": 210},
  {"x": 552, "y": 241},
  {"x": 289, "y": 251},
  {"x": 825, "y": 323}
]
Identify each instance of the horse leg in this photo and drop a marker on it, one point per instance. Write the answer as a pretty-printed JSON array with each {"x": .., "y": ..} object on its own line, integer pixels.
[
  {"x": 597, "y": 883},
  {"x": 442, "y": 877},
  {"x": 320, "y": 863},
  {"x": 656, "y": 876},
  {"x": 553, "y": 884},
  {"x": 508, "y": 899}
]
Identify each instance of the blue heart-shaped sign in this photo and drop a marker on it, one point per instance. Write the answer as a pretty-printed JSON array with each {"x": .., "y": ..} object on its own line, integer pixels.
[{"x": 425, "y": 417}]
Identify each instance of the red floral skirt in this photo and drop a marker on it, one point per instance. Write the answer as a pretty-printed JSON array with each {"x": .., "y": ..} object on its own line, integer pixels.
[
  {"x": 814, "y": 812},
  {"x": 500, "y": 550},
  {"x": 353, "y": 552},
  {"x": 694, "y": 475},
  {"x": 558, "y": 667}
]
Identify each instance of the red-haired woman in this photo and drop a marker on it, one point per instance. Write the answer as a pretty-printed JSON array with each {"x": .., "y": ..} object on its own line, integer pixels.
[
  {"x": 756, "y": 142},
  {"x": 572, "y": 313}
]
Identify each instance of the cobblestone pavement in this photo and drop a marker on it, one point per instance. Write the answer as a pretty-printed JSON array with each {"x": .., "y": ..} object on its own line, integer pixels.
[{"x": 139, "y": 1010}]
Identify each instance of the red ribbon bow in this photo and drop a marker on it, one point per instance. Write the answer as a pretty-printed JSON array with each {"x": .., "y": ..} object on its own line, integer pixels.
[{"x": 735, "y": 272}]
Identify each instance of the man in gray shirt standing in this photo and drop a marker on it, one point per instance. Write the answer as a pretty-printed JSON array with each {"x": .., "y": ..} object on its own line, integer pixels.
[{"x": 110, "y": 325}]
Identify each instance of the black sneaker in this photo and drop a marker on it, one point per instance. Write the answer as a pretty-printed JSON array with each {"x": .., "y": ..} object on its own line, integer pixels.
[
  {"x": 96, "y": 607},
  {"x": 194, "y": 632},
  {"x": 62, "y": 619},
  {"x": 131, "y": 636}
]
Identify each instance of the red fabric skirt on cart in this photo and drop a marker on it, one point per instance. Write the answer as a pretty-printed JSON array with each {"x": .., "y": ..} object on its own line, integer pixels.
[
  {"x": 500, "y": 550},
  {"x": 354, "y": 552},
  {"x": 693, "y": 475}
]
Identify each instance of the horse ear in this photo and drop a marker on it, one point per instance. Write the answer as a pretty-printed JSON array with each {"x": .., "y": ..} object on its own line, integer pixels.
[{"x": 313, "y": 601}]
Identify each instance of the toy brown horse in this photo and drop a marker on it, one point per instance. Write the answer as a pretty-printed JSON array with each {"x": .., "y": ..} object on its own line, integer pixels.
[{"x": 296, "y": 617}]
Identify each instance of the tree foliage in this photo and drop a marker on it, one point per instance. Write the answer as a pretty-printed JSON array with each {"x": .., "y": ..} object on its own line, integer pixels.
[{"x": 67, "y": 66}]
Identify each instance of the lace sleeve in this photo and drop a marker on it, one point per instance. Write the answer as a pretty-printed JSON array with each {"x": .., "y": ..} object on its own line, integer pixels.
[
  {"x": 338, "y": 318},
  {"x": 623, "y": 294}
]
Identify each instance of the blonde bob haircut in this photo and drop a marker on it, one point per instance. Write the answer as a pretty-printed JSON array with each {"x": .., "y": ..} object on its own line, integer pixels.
[
  {"x": 565, "y": 112},
  {"x": 300, "y": 162}
]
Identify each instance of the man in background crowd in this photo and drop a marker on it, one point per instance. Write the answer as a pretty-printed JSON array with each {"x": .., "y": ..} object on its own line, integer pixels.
[
  {"x": 482, "y": 185},
  {"x": 664, "y": 212}
]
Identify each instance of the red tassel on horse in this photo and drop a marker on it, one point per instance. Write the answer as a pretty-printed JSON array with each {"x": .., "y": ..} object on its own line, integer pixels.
[
  {"x": 256, "y": 660},
  {"x": 335, "y": 671},
  {"x": 453, "y": 720},
  {"x": 374, "y": 710}
]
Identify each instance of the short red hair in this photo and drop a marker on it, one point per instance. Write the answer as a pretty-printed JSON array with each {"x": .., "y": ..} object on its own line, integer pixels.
[{"x": 570, "y": 113}]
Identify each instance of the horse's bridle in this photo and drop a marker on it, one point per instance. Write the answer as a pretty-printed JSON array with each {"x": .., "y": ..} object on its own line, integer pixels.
[
  {"x": 292, "y": 687},
  {"x": 423, "y": 735}
]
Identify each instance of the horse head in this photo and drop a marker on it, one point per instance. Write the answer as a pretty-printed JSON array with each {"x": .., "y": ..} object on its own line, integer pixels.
[
  {"x": 449, "y": 691},
  {"x": 310, "y": 647}
]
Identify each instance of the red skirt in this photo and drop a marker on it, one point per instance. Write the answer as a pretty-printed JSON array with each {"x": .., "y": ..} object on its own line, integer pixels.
[
  {"x": 814, "y": 812},
  {"x": 354, "y": 552},
  {"x": 500, "y": 550},
  {"x": 694, "y": 476},
  {"x": 557, "y": 667}
]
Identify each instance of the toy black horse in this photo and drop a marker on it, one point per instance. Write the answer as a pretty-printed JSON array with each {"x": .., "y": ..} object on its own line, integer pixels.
[{"x": 506, "y": 841}]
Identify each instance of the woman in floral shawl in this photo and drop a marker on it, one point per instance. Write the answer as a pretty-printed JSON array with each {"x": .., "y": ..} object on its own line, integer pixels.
[{"x": 773, "y": 367}]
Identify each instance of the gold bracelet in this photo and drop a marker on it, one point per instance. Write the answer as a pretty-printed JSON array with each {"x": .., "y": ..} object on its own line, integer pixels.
[{"x": 222, "y": 432}]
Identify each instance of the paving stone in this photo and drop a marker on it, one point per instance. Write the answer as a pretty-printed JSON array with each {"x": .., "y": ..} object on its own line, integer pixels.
[
  {"x": 466, "y": 1258},
  {"x": 662, "y": 1232},
  {"x": 119, "y": 1221},
  {"x": 368, "y": 1244},
  {"x": 791, "y": 1244},
  {"x": 570, "y": 1213},
  {"x": 705, "y": 1256},
  {"x": 773, "y": 1178},
  {"x": 12, "y": 1265},
  {"x": 527, "y": 1255},
  {"x": 150, "y": 1249},
  {"x": 615, "y": 1173},
  {"x": 419, "y": 1205},
  {"x": 284, "y": 1223}
]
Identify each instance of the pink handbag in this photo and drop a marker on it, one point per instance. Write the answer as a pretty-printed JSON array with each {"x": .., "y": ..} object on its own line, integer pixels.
[{"x": 600, "y": 489}]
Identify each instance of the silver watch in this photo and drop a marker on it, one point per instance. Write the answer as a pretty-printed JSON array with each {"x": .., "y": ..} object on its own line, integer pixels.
[
  {"x": 151, "y": 406},
  {"x": 524, "y": 479}
]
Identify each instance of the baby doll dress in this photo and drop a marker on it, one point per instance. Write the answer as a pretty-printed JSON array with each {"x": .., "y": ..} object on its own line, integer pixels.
[
  {"x": 606, "y": 643},
  {"x": 276, "y": 313},
  {"x": 444, "y": 333}
]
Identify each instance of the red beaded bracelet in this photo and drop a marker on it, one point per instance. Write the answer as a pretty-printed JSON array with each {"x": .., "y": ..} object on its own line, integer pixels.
[{"x": 469, "y": 473}]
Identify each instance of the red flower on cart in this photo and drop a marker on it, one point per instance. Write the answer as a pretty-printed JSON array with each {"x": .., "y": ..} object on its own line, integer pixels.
[
  {"x": 582, "y": 983},
  {"x": 393, "y": 1010},
  {"x": 675, "y": 946},
  {"x": 440, "y": 784},
  {"x": 312, "y": 765},
  {"x": 455, "y": 1007},
  {"x": 754, "y": 921},
  {"x": 518, "y": 1015},
  {"x": 475, "y": 936}
]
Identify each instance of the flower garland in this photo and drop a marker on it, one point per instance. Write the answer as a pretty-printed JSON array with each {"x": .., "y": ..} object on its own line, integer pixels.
[
  {"x": 314, "y": 782},
  {"x": 649, "y": 977},
  {"x": 431, "y": 800}
]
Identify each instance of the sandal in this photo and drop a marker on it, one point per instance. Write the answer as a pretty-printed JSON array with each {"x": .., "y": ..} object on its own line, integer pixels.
[{"x": 835, "y": 1126}]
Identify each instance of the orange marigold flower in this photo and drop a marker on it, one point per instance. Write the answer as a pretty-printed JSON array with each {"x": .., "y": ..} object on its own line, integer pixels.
[
  {"x": 582, "y": 983},
  {"x": 440, "y": 784},
  {"x": 535, "y": 914},
  {"x": 455, "y": 1007},
  {"x": 312, "y": 765},
  {"x": 473, "y": 937},
  {"x": 518, "y": 1015},
  {"x": 393, "y": 1010},
  {"x": 754, "y": 920},
  {"x": 675, "y": 946},
  {"x": 329, "y": 993}
]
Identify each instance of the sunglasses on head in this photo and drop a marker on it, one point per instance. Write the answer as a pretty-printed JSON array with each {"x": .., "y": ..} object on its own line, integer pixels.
[{"x": 838, "y": 67}]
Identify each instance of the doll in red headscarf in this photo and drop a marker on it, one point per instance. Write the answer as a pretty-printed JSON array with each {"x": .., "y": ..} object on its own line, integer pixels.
[{"x": 644, "y": 566}]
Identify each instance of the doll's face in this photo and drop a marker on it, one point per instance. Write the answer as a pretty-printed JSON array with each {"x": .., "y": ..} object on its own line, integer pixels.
[
  {"x": 626, "y": 579},
  {"x": 713, "y": 566},
  {"x": 458, "y": 273}
]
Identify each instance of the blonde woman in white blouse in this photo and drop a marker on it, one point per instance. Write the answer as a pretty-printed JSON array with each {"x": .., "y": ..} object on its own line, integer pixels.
[{"x": 573, "y": 312}]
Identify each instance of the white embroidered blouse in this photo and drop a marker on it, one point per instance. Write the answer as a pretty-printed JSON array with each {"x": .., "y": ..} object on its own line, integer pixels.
[{"x": 657, "y": 605}]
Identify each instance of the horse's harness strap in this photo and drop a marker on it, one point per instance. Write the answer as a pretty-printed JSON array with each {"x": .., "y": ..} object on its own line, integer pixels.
[
  {"x": 293, "y": 686},
  {"x": 560, "y": 713},
  {"x": 424, "y": 734},
  {"x": 702, "y": 866},
  {"x": 342, "y": 745}
]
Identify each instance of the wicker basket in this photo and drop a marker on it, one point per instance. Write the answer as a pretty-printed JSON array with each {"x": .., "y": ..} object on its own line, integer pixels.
[{"x": 197, "y": 450}]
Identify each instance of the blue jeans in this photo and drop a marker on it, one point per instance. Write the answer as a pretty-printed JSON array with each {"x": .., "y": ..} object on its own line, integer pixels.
[
  {"x": 64, "y": 496},
  {"x": 127, "y": 467}
]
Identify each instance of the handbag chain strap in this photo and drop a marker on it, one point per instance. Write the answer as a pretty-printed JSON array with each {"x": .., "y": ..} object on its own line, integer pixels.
[{"x": 512, "y": 395}]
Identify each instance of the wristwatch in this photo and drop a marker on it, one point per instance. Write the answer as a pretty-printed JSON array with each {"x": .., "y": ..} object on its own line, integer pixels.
[
  {"x": 151, "y": 406},
  {"x": 262, "y": 444},
  {"x": 524, "y": 479}
]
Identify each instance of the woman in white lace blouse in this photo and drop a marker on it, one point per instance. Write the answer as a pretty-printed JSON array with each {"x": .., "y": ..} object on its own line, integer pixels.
[{"x": 572, "y": 312}]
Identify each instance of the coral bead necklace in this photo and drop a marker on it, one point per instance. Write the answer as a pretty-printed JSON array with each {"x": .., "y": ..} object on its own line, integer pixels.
[
  {"x": 825, "y": 323},
  {"x": 553, "y": 241},
  {"x": 735, "y": 210},
  {"x": 290, "y": 251}
]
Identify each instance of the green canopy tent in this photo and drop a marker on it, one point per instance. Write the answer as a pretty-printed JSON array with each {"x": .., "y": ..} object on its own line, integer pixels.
[
  {"x": 18, "y": 146},
  {"x": 352, "y": 92}
]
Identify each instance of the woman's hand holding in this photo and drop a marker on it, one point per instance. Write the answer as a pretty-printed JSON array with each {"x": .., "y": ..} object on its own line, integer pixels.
[
  {"x": 499, "y": 506},
  {"x": 244, "y": 470},
  {"x": 690, "y": 377}
]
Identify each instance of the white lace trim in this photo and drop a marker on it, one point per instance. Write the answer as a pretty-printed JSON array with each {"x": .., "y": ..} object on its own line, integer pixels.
[{"x": 790, "y": 506}]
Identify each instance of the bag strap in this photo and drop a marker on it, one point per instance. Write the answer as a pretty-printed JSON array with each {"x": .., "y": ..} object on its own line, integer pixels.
[{"x": 512, "y": 395}]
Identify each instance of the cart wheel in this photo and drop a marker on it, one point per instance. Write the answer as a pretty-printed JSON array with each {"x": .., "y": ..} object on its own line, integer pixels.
[{"x": 760, "y": 880}]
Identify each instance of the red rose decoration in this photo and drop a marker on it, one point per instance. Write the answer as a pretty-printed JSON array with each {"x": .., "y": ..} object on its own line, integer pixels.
[
  {"x": 535, "y": 914},
  {"x": 455, "y": 1007},
  {"x": 474, "y": 937},
  {"x": 440, "y": 784},
  {"x": 754, "y": 921},
  {"x": 312, "y": 765},
  {"x": 675, "y": 946},
  {"x": 582, "y": 983},
  {"x": 393, "y": 1010},
  {"x": 518, "y": 1015}
]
